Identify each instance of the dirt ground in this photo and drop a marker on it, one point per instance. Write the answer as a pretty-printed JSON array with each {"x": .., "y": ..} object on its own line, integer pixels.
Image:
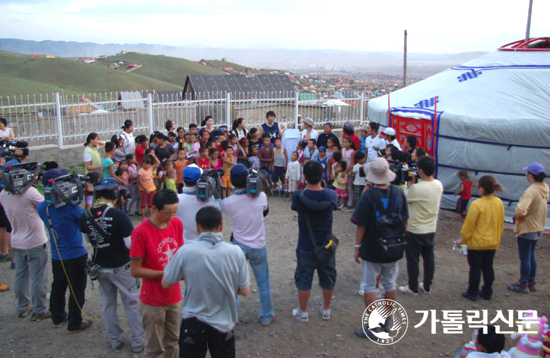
[{"x": 287, "y": 337}]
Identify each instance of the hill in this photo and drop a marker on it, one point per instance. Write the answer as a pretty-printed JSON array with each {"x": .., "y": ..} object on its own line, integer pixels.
[
  {"x": 24, "y": 75},
  {"x": 163, "y": 68},
  {"x": 218, "y": 64}
]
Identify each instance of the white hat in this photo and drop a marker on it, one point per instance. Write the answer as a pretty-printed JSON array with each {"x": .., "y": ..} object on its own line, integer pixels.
[
  {"x": 388, "y": 131},
  {"x": 309, "y": 121},
  {"x": 378, "y": 171}
]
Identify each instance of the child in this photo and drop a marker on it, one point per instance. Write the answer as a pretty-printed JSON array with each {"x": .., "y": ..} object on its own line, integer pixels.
[
  {"x": 359, "y": 181},
  {"x": 228, "y": 163},
  {"x": 193, "y": 129},
  {"x": 142, "y": 145},
  {"x": 336, "y": 158},
  {"x": 254, "y": 139},
  {"x": 300, "y": 148},
  {"x": 146, "y": 184},
  {"x": 302, "y": 177},
  {"x": 465, "y": 192},
  {"x": 292, "y": 177},
  {"x": 215, "y": 161},
  {"x": 109, "y": 164},
  {"x": 122, "y": 173},
  {"x": 172, "y": 140},
  {"x": 481, "y": 232},
  {"x": 202, "y": 160},
  {"x": 133, "y": 184},
  {"x": 280, "y": 160},
  {"x": 253, "y": 159},
  {"x": 490, "y": 344},
  {"x": 341, "y": 183},
  {"x": 170, "y": 181},
  {"x": 180, "y": 163},
  {"x": 348, "y": 154},
  {"x": 194, "y": 153},
  {"x": 266, "y": 154},
  {"x": 205, "y": 138},
  {"x": 323, "y": 159},
  {"x": 188, "y": 145},
  {"x": 311, "y": 151},
  {"x": 242, "y": 153},
  {"x": 161, "y": 173},
  {"x": 264, "y": 136},
  {"x": 233, "y": 142}
]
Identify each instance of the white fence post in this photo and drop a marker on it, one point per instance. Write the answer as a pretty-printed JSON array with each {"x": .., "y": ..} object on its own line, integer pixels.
[
  {"x": 296, "y": 108},
  {"x": 59, "y": 124},
  {"x": 228, "y": 111},
  {"x": 362, "y": 110},
  {"x": 150, "y": 111}
]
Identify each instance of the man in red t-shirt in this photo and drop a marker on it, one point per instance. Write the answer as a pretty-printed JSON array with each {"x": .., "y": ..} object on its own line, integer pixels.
[{"x": 154, "y": 242}]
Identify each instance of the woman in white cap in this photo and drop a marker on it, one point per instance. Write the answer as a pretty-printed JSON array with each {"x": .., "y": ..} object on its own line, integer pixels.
[
  {"x": 127, "y": 134},
  {"x": 308, "y": 132}
]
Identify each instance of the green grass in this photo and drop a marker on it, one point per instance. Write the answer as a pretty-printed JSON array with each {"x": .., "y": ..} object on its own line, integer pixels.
[
  {"x": 24, "y": 75},
  {"x": 218, "y": 63},
  {"x": 163, "y": 68}
]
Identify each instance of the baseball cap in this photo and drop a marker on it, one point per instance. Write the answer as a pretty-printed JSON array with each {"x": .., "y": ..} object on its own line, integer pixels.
[
  {"x": 191, "y": 173},
  {"x": 534, "y": 168},
  {"x": 127, "y": 123},
  {"x": 388, "y": 131},
  {"x": 365, "y": 128},
  {"x": 322, "y": 148},
  {"x": 348, "y": 125},
  {"x": 238, "y": 173},
  {"x": 107, "y": 184},
  {"x": 53, "y": 174},
  {"x": 221, "y": 129}
]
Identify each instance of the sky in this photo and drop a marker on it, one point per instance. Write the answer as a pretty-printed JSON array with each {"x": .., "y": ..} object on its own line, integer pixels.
[{"x": 434, "y": 26}]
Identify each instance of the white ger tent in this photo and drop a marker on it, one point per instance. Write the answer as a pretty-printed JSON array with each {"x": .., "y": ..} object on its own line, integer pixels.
[{"x": 492, "y": 116}]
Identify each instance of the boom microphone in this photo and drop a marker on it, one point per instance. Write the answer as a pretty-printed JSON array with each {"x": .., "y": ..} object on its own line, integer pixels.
[{"x": 21, "y": 144}]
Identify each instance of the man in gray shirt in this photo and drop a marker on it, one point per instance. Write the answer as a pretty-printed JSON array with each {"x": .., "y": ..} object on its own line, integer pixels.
[{"x": 214, "y": 272}]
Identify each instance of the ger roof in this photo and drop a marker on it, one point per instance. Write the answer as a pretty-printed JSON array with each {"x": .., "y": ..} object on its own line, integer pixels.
[{"x": 216, "y": 86}]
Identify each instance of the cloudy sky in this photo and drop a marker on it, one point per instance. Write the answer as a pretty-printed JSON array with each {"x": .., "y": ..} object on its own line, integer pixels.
[{"x": 434, "y": 26}]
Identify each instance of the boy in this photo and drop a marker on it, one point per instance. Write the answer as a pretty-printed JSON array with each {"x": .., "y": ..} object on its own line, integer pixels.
[
  {"x": 193, "y": 129},
  {"x": 359, "y": 181},
  {"x": 215, "y": 269},
  {"x": 202, "y": 160},
  {"x": 323, "y": 159},
  {"x": 228, "y": 161},
  {"x": 266, "y": 154},
  {"x": 280, "y": 160},
  {"x": 488, "y": 344},
  {"x": 293, "y": 174}
]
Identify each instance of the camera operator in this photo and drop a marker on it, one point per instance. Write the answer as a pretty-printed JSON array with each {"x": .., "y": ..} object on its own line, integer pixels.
[
  {"x": 6, "y": 251},
  {"x": 109, "y": 230},
  {"x": 69, "y": 257},
  {"x": 189, "y": 205},
  {"x": 29, "y": 250},
  {"x": 247, "y": 217}
]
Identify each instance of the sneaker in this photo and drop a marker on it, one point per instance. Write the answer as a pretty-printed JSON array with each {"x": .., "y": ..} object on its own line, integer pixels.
[
  {"x": 532, "y": 287},
  {"x": 12, "y": 265},
  {"x": 299, "y": 315},
  {"x": 84, "y": 325},
  {"x": 60, "y": 323},
  {"x": 421, "y": 287},
  {"x": 518, "y": 287},
  {"x": 364, "y": 332},
  {"x": 407, "y": 290},
  {"x": 483, "y": 295},
  {"x": 137, "y": 349},
  {"x": 41, "y": 317},
  {"x": 5, "y": 257},
  {"x": 138, "y": 212},
  {"x": 4, "y": 288},
  {"x": 468, "y": 295},
  {"x": 269, "y": 322},
  {"x": 26, "y": 312},
  {"x": 325, "y": 313}
]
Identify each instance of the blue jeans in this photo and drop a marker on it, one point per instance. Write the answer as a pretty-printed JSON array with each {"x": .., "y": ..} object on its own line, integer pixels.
[
  {"x": 528, "y": 266},
  {"x": 258, "y": 262}
]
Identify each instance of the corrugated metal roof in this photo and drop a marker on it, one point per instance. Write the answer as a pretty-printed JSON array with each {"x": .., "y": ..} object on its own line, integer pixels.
[{"x": 131, "y": 100}]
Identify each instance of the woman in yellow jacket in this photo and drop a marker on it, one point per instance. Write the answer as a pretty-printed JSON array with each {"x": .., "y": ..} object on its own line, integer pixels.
[{"x": 481, "y": 231}]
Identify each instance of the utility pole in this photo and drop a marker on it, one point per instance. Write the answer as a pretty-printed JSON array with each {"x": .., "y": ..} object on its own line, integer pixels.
[
  {"x": 529, "y": 20},
  {"x": 405, "y": 61}
]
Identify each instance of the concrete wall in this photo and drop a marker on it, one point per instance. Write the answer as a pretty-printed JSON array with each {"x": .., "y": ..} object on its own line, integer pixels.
[{"x": 69, "y": 155}]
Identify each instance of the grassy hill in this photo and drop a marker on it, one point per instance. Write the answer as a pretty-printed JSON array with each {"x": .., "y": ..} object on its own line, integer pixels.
[
  {"x": 24, "y": 75},
  {"x": 218, "y": 63},
  {"x": 163, "y": 68}
]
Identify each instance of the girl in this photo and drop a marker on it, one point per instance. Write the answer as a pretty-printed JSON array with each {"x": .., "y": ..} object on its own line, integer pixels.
[
  {"x": 180, "y": 164},
  {"x": 300, "y": 148},
  {"x": 481, "y": 232},
  {"x": 142, "y": 145},
  {"x": 215, "y": 161},
  {"x": 170, "y": 126},
  {"x": 234, "y": 143},
  {"x": 242, "y": 153},
  {"x": 341, "y": 183},
  {"x": 122, "y": 173},
  {"x": 348, "y": 155},
  {"x": 465, "y": 192},
  {"x": 120, "y": 152},
  {"x": 254, "y": 139},
  {"x": 205, "y": 138},
  {"x": 170, "y": 182},
  {"x": 92, "y": 160},
  {"x": 194, "y": 153},
  {"x": 228, "y": 163},
  {"x": 109, "y": 164},
  {"x": 133, "y": 183},
  {"x": 253, "y": 159},
  {"x": 336, "y": 158},
  {"x": 146, "y": 184},
  {"x": 239, "y": 129},
  {"x": 181, "y": 136},
  {"x": 161, "y": 173},
  {"x": 332, "y": 147}
]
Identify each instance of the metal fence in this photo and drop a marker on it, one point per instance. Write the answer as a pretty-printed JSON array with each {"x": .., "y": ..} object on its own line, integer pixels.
[{"x": 68, "y": 119}]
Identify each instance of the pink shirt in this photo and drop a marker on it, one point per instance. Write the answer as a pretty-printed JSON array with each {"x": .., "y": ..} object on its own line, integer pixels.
[{"x": 27, "y": 227}]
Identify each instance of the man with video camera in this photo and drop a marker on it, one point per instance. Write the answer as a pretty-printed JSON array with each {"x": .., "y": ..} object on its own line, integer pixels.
[
  {"x": 69, "y": 257},
  {"x": 109, "y": 231},
  {"x": 247, "y": 217}
]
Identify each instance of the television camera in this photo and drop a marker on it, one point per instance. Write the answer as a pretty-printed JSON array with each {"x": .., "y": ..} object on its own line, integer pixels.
[
  {"x": 402, "y": 174},
  {"x": 210, "y": 184},
  {"x": 258, "y": 180},
  {"x": 17, "y": 178},
  {"x": 12, "y": 148},
  {"x": 65, "y": 189}
]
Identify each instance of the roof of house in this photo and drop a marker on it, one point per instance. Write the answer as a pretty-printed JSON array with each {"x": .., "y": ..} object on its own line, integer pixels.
[{"x": 216, "y": 86}]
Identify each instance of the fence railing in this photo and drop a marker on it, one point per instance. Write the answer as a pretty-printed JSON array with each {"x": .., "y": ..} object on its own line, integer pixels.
[{"x": 67, "y": 119}]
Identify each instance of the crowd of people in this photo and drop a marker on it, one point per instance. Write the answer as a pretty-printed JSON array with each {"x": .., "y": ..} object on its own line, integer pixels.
[{"x": 181, "y": 237}]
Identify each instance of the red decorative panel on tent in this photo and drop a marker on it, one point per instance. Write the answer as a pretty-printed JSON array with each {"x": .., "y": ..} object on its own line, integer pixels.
[{"x": 420, "y": 128}]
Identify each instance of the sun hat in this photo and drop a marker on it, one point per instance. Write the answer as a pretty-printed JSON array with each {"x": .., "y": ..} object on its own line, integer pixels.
[
  {"x": 309, "y": 121},
  {"x": 378, "y": 171}
]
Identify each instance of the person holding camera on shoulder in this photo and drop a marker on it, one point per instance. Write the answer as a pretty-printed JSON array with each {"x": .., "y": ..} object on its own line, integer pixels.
[
  {"x": 69, "y": 258},
  {"x": 247, "y": 217},
  {"x": 109, "y": 231}
]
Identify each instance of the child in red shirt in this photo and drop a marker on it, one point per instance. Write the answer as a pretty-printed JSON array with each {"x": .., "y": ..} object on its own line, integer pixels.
[
  {"x": 465, "y": 192},
  {"x": 203, "y": 161},
  {"x": 142, "y": 144}
]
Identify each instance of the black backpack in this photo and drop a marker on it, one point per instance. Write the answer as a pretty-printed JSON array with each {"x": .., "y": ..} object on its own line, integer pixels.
[{"x": 391, "y": 236}]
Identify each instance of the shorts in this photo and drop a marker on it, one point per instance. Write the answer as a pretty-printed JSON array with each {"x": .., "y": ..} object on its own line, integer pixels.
[
  {"x": 292, "y": 185},
  {"x": 341, "y": 193},
  {"x": 226, "y": 181},
  {"x": 278, "y": 174},
  {"x": 4, "y": 222},
  {"x": 461, "y": 205},
  {"x": 306, "y": 265},
  {"x": 371, "y": 270},
  {"x": 146, "y": 199}
]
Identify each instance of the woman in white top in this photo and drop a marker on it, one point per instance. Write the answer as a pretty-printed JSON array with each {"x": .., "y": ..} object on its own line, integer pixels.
[
  {"x": 239, "y": 129},
  {"x": 308, "y": 132},
  {"x": 5, "y": 132}
]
